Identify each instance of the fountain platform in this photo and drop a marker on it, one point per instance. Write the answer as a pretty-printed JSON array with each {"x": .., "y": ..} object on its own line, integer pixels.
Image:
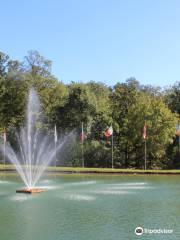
[{"x": 31, "y": 190}]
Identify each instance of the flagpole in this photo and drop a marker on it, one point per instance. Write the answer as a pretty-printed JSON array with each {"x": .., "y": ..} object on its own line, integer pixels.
[
  {"x": 4, "y": 147},
  {"x": 145, "y": 148},
  {"x": 55, "y": 155},
  {"x": 55, "y": 144},
  {"x": 145, "y": 154},
  {"x": 4, "y": 153},
  {"x": 82, "y": 142},
  {"x": 179, "y": 137},
  {"x": 109, "y": 133},
  {"x": 112, "y": 148}
]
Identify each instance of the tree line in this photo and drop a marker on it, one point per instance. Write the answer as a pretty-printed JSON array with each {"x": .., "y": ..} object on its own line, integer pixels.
[{"x": 124, "y": 106}]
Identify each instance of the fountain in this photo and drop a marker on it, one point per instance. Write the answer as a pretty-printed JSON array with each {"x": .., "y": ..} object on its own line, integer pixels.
[{"x": 36, "y": 147}]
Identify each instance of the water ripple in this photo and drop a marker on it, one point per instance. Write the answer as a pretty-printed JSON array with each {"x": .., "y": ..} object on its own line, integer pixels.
[
  {"x": 129, "y": 184},
  {"x": 130, "y": 187},
  {"x": 112, "y": 192},
  {"x": 5, "y": 182},
  {"x": 78, "y": 197},
  {"x": 20, "y": 197},
  {"x": 81, "y": 183}
]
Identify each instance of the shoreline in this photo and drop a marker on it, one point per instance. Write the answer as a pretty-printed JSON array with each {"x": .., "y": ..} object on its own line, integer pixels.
[{"x": 99, "y": 171}]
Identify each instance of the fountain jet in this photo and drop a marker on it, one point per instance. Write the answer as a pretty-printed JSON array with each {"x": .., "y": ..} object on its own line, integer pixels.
[{"x": 36, "y": 148}]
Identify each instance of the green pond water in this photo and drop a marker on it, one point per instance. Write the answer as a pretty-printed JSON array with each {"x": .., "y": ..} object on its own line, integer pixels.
[{"x": 92, "y": 207}]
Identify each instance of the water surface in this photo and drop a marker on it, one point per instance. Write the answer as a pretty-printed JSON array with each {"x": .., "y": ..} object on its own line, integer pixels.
[{"x": 90, "y": 207}]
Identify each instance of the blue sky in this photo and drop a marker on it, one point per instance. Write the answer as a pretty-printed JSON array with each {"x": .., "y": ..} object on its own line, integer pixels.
[{"x": 101, "y": 40}]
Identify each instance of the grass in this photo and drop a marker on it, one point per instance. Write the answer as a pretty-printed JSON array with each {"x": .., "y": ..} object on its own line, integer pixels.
[{"x": 96, "y": 170}]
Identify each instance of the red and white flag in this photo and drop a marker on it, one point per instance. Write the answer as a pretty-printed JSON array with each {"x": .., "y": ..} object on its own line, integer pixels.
[
  {"x": 178, "y": 130},
  {"x": 109, "y": 132},
  {"x": 145, "y": 132},
  {"x": 83, "y": 136}
]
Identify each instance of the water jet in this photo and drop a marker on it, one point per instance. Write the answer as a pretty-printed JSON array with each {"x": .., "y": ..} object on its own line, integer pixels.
[{"x": 36, "y": 146}]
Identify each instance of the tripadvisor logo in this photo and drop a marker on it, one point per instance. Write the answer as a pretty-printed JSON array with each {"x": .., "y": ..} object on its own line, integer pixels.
[{"x": 139, "y": 231}]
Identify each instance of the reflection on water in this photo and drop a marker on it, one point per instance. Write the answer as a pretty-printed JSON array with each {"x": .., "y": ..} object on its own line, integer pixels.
[
  {"x": 130, "y": 187},
  {"x": 81, "y": 183},
  {"x": 114, "y": 192},
  {"x": 78, "y": 197},
  {"x": 20, "y": 197},
  {"x": 5, "y": 182},
  {"x": 129, "y": 183}
]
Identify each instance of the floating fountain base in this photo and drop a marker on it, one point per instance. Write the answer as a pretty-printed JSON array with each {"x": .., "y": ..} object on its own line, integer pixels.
[{"x": 31, "y": 190}]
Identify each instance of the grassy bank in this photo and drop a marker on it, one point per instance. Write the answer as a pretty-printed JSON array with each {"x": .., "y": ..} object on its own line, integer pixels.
[{"x": 10, "y": 168}]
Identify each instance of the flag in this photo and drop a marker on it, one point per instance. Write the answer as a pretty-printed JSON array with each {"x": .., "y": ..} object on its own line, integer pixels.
[
  {"x": 145, "y": 132},
  {"x": 55, "y": 134},
  {"x": 178, "y": 130},
  {"x": 109, "y": 132},
  {"x": 83, "y": 136}
]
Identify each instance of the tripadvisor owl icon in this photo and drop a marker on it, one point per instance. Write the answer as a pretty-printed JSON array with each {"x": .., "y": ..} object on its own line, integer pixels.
[{"x": 139, "y": 231}]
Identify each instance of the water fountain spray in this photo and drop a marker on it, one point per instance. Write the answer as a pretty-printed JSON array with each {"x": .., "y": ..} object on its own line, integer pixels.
[{"x": 36, "y": 148}]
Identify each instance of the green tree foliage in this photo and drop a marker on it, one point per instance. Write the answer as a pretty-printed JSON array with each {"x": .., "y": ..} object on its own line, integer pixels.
[
  {"x": 172, "y": 98},
  {"x": 130, "y": 107},
  {"x": 4, "y": 59},
  {"x": 36, "y": 64},
  {"x": 123, "y": 106}
]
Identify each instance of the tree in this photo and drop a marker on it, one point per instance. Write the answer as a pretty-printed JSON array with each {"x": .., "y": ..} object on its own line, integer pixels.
[
  {"x": 36, "y": 64},
  {"x": 124, "y": 106},
  {"x": 14, "y": 67},
  {"x": 122, "y": 98},
  {"x": 130, "y": 106},
  {"x": 172, "y": 97},
  {"x": 4, "y": 58},
  {"x": 13, "y": 94}
]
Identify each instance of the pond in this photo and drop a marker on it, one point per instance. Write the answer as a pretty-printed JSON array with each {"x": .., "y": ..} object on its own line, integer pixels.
[{"x": 91, "y": 207}]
